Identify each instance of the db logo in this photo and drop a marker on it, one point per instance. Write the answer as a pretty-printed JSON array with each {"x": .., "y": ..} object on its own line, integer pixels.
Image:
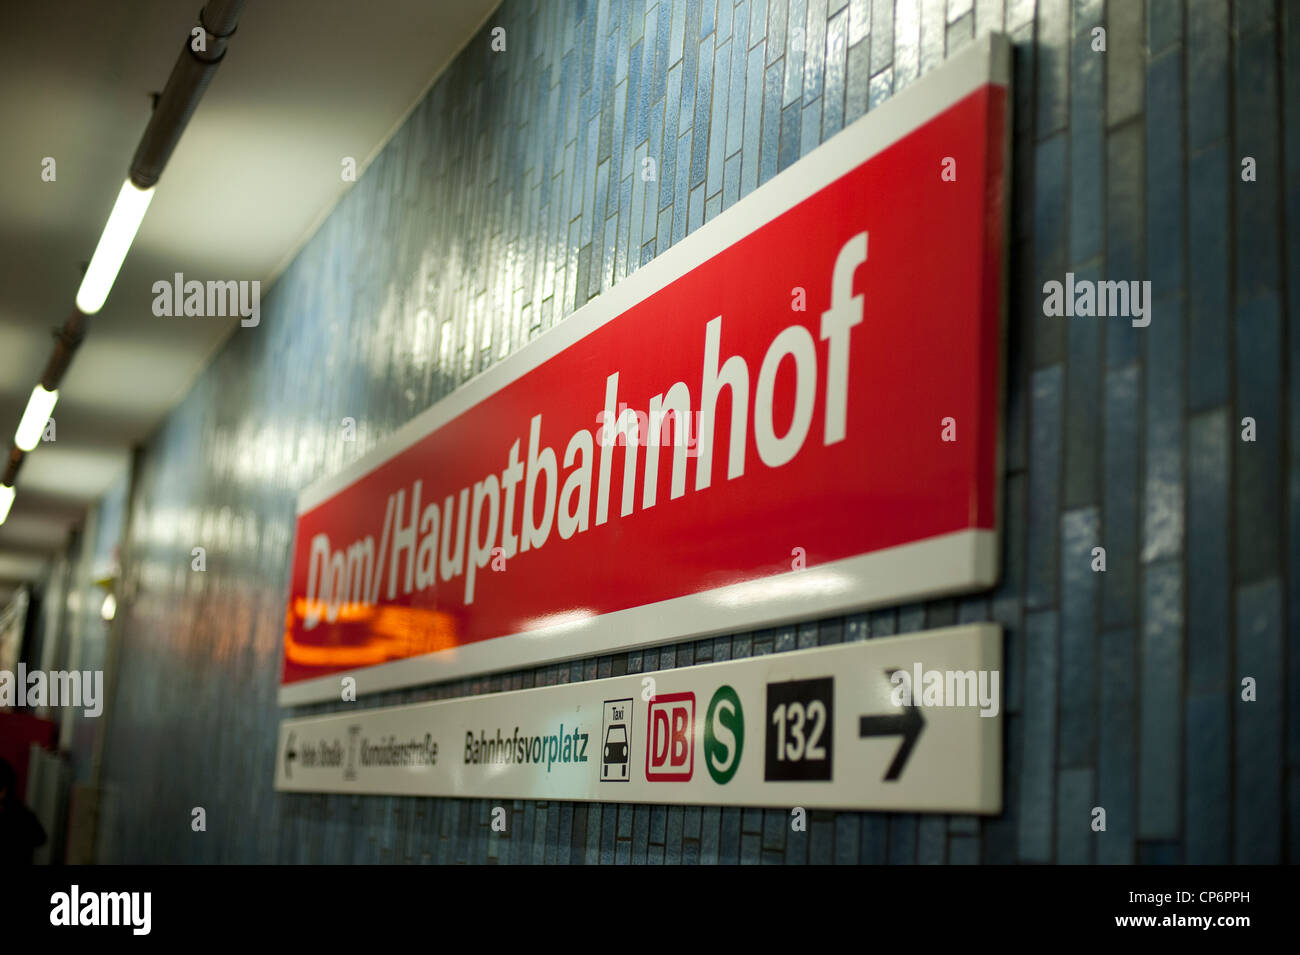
[{"x": 670, "y": 744}]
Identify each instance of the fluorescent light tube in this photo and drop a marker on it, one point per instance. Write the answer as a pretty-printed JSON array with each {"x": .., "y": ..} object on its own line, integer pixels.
[
  {"x": 119, "y": 232},
  {"x": 39, "y": 407},
  {"x": 6, "y": 501}
]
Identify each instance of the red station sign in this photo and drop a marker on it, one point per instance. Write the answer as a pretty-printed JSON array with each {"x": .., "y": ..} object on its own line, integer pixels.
[{"x": 794, "y": 412}]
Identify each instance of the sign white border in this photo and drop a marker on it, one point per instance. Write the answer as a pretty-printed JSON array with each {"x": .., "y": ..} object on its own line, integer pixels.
[{"x": 941, "y": 565}]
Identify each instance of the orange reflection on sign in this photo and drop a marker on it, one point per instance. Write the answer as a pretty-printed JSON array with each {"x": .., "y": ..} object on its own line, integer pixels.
[{"x": 393, "y": 634}]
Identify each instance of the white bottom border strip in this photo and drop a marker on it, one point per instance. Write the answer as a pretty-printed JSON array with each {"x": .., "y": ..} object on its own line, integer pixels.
[{"x": 947, "y": 564}]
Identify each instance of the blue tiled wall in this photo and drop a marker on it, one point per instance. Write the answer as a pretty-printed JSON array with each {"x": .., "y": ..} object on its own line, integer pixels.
[{"x": 509, "y": 198}]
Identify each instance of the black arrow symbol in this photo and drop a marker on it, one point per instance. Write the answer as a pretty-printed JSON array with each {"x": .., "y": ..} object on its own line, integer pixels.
[
  {"x": 907, "y": 724},
  {"x": 290, "y": 754}
]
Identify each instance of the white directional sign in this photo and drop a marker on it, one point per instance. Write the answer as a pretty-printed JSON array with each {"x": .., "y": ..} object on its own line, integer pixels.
[{"x": 909, "y": 723}]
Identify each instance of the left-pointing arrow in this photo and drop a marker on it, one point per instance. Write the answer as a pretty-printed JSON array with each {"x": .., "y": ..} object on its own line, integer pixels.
[
  {"x": 907, "y": 724},
  {"x": 290, "y": 754}
]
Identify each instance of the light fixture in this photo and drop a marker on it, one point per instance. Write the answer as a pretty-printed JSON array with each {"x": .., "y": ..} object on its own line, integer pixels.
[
  {"x": 172, "y": 111},
  {"x": 39, "y": 408},
  {"x": 119, "y": 232},
  {"x": 109, "y": 609}
]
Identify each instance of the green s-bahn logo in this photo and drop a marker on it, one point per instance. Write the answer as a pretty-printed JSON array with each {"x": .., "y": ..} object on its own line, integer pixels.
[{"x": 724, "y": 734}]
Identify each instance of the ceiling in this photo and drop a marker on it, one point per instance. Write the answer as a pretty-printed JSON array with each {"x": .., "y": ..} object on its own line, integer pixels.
[{"x": 302, "y": 86}]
